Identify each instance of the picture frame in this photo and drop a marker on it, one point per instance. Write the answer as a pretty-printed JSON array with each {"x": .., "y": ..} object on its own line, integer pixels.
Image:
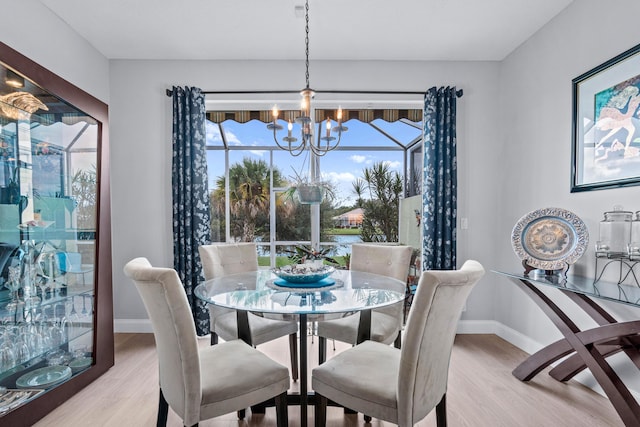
[{"x": 605, "y": 135}]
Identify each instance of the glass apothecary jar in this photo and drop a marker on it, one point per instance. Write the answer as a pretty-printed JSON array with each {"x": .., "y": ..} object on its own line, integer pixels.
[
  {"x": 634, "y": 244},
  {"x": 615, "y": 234}
]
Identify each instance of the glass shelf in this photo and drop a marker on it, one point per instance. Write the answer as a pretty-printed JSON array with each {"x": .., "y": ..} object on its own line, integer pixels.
[{"x": 617, "y": 292}]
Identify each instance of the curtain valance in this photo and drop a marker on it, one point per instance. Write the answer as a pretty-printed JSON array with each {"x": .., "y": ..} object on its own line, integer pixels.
[{"x": 364, "y": 115}]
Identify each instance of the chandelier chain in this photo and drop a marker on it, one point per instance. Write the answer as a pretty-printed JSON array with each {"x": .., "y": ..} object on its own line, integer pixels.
[
  {"x": 306, "y": 41},
  {"x": 318, "y": 145}
]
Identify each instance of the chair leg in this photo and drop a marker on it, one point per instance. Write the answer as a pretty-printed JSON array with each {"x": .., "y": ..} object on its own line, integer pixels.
[
  {"x": 260, "y": 408},
  {"x": 214, "y": 338},
  {"x": 163, "y": 411},
  {"x": 322, "y": 349},
  {"x": 282, "y": 415},
  {"x": 441, "y": 412},
  {"x": 293, "y": 353},
  {"x": 321, "y": 411},
  {"x": 398, "y": 342}
]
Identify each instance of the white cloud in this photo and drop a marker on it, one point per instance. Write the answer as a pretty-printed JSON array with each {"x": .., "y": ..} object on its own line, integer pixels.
[
  {"x": 393, "y": 165},
  {"x": 232, "y": 139},
  {"x": 338, "y": 176},
  {"x": 358, "y": 158}
]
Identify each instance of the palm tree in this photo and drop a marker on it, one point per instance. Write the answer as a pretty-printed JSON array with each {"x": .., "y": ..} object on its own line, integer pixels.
[
  {"x": 248, "y": 198},
  {"x": 380, "y": 222}
]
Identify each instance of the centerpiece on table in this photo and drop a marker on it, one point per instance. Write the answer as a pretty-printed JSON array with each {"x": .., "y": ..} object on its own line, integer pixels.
[
  {"x": 303, "y": 273},
  {"x": 309, "y": 267}
]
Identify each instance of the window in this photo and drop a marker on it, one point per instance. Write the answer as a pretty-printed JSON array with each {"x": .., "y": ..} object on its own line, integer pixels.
[{"x": 249, "y": 176}]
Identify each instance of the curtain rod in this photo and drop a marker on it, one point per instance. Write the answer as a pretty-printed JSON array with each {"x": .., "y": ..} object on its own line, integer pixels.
[{"x": 459, "y": 92}]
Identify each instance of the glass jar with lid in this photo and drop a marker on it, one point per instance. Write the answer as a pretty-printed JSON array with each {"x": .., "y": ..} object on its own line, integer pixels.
[
  {"x": 615, "y": 234},
  {"x": 634, "y": 244}
]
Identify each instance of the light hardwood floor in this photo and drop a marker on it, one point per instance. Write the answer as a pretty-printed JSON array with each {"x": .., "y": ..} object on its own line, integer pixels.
[{"x": 482, "y": 392}]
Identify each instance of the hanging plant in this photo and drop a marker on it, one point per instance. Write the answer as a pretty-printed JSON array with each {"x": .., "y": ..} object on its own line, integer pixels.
[{"x": 308, "y": 191}]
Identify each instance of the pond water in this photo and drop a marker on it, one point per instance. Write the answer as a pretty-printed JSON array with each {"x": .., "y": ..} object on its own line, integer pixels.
[
  {"x": 345, "y": 241},
  {"x": 342, "y": 245}
]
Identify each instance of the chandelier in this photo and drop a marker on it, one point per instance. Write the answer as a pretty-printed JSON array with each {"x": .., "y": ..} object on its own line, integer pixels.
[{"x": 323, "y": 144}]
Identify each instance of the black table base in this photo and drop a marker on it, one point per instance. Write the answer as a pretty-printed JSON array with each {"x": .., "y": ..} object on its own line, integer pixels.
[{"x": 305, "y": 397}]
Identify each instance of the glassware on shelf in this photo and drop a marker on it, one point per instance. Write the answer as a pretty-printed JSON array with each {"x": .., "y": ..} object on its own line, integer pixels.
[
  {"x": 13, "y": 285},
  {"x": 21, "y": 350},
  {"x": 28, "y": 273},
  {"x": 46, "y": 265},
  {"x": 615, "y": 234},
  {"x": 7, "y": 357}
]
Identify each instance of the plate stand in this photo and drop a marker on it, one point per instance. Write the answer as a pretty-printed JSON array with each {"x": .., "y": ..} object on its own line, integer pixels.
[{"x": 561, "y": 271}]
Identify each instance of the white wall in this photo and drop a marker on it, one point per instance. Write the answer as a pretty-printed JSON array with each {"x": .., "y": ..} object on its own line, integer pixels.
[
  {"x": 534, "y": 127},
  {"x": 37, "y": 33},
  {"x": 141, "y": 145}
]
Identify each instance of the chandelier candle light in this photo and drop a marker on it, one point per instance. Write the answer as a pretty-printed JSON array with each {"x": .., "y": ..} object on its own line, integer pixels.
[{"x": 306, "y": 121}]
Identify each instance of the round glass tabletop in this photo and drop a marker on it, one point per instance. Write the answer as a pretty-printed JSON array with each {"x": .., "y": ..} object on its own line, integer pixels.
[{"x": 256, "y": 292}]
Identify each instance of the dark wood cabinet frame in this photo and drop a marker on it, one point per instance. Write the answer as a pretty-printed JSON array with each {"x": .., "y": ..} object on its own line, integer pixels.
[{"x": 103, "y": 340}]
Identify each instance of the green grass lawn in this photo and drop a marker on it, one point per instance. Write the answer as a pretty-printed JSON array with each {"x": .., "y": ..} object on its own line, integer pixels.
[{"x": 344, "y": 231}]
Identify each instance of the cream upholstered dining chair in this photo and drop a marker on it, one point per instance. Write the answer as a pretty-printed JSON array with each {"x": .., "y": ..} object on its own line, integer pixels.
[
  {"x": 229, "y": 258},
  {"x": 386, "y": 322},
  {"x": 403, "y": 386},
  {"x": 201, "y": 383}
]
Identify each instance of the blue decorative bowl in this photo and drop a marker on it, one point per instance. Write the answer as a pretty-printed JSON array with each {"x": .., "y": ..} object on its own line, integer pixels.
[{"x": 303, "y": 273}]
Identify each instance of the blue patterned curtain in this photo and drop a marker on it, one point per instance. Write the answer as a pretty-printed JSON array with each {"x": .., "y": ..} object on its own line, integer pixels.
[
  {"x": 191, "y": 217},
  {"x": 440, "y": 184}
]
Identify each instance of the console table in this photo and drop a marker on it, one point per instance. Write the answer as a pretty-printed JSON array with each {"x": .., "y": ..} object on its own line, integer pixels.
[{"x": 586, "y": 348}]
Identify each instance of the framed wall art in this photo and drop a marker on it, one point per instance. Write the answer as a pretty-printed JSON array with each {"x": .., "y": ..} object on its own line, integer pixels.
[{"x": 606, "y": 125}]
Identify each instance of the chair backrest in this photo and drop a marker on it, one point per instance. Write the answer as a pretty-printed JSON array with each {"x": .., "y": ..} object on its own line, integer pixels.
[
  {"x": 387, "y": 260},
  {"x": 228, "y": 258},
  {"x": 166, "y": 302},
  {"x": 428, "y": 338}
]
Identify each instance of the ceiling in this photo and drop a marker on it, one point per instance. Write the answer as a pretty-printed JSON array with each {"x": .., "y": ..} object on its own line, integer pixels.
[{"x": 339, "y": 29}]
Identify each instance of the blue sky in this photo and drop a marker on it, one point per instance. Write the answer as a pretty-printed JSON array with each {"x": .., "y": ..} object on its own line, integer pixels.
[{"x": 341, "y": 167}]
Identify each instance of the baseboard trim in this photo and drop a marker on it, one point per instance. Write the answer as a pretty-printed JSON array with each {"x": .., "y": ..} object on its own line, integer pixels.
[
  {"x": 525, "y": 344},
  {"x": 512, "y": 336}
]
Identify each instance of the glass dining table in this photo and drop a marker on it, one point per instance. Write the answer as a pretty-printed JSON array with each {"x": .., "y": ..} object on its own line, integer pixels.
[{"x": 260, "y": 292}]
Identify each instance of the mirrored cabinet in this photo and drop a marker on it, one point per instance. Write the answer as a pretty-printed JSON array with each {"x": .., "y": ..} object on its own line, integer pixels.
[{"x": 56, "y": 332}]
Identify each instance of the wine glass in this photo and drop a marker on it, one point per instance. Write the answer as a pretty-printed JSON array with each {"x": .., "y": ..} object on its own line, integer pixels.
[
  {"x": 21, "y": 350},
  {"x": 13, "y": 284},
  {"x": 28, "y": 273},
  {"x": 7, "y": 357}
]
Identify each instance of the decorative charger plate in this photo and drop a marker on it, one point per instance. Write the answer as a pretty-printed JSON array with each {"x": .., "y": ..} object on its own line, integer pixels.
[
  {"x": 44, "y": 377},
  {"x": 322, "y": 285},
  {"x": 80, "y": 363},
  {"x": 550, "y": 238}
]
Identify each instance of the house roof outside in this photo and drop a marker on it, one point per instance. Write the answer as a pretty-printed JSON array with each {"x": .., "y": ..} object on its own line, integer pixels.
[{"x": 352, "y": 218}]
